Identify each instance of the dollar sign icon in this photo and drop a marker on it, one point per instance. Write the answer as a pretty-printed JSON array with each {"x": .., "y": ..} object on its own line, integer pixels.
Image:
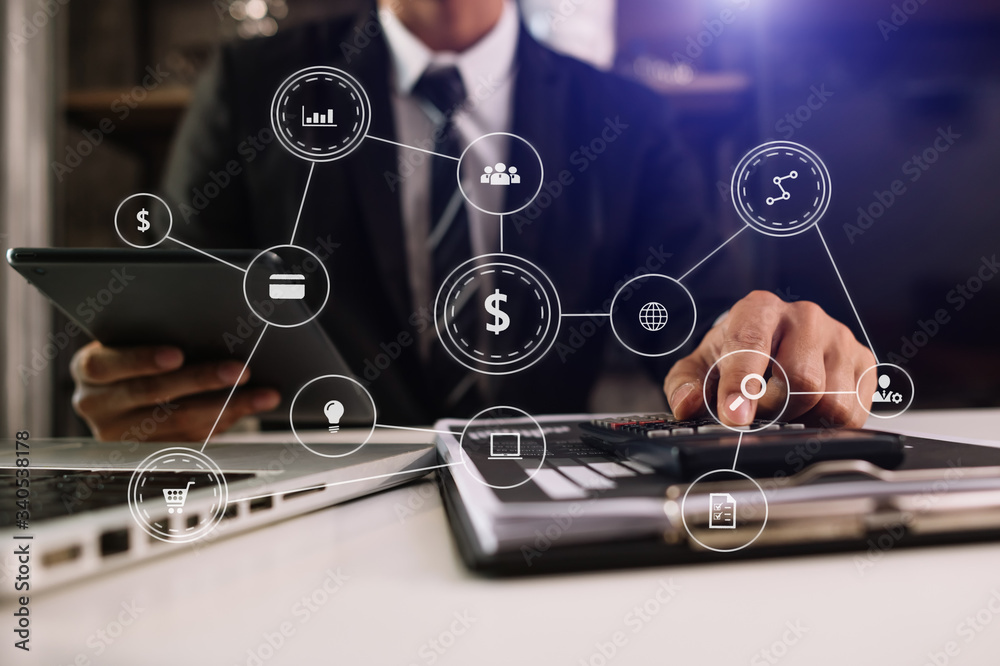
[
  {"x": 143, "y": 222},
  {"x": 501, "y": 322}
]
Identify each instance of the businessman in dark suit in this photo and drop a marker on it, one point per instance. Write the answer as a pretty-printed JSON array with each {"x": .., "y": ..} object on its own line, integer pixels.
[{"x": 622, "y": 199}]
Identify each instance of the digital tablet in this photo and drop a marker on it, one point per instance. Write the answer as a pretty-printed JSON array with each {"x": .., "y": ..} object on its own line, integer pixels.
[{"x": 184, "y": 298}]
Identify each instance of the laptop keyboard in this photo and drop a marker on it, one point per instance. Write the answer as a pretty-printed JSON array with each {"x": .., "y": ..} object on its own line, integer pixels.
[{"x": 57, "y": 493}]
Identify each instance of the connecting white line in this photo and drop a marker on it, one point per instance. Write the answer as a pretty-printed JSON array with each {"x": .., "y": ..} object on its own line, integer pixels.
[
  {"x": 395, "y": 427},
  {"x": 713, "y": 252},
  {"x": 501, "y": 232},
  {"x": 235, "y": 386},
  {"x": 303, "y": 204},
  {"x": 340, "y": 483},
  {"x": 737, "y": 456},
  {"x": 210, "y": 256},
  {"x": 847, "y": 293},
  {"x": 403, "y": 145},
  {"x": 822, "y": 392},
  {"x": 585, "y": 314}
]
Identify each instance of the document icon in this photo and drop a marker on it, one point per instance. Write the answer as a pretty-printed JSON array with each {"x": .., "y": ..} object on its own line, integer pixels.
[{"x": 722, "y": 511}]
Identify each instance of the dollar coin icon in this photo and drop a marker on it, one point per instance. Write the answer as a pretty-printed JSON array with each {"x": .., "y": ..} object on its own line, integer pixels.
[
  {"x": 515, "y": 300},
  {"x": 134, "y": 220},
  {"x": 501, "y": 322}
]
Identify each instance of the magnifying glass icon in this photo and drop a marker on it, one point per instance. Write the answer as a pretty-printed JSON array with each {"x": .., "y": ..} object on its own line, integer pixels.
[{"x": 746, "y": 394}]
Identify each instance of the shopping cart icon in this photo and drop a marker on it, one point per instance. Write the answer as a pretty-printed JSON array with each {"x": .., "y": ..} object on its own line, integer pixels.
[{"x": 176, "y": 497}]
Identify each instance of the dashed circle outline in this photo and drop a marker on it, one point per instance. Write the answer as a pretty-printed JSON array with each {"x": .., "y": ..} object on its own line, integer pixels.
[
  {"x": 205, "y": 526},
  {"x": 741, "y": 172},
  {"x": 170, "y": 220},
  {"x": 708, "y": 405},
  {"x": 531, "y": 474},
  {"x": 362, "y": 108},
  {"x": 291, "y": 415},
  {"x": 913, "y": 391},
  {"x": 246, "y": 275},
  {"x": 480, "y": 271},
  {"x": 541, "y": 174},
  {"x": 694, "y": 309},
  {"x": 699, "y": 541},
  {"x": 552, "y": 300}
]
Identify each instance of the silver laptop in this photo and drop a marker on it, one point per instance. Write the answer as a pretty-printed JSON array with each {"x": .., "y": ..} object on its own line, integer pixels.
[{"x": 96, "y": 507}]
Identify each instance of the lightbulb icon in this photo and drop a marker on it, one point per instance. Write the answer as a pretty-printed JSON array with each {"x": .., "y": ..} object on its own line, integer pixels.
[{"x": 334, "y": 411}]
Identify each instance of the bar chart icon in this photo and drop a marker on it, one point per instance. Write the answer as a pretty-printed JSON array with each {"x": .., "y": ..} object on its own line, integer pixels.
[{"x": 317, "y": 119}]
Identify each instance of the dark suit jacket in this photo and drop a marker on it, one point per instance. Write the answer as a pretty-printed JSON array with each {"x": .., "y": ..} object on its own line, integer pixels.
[{"x": 620, "y": 199}]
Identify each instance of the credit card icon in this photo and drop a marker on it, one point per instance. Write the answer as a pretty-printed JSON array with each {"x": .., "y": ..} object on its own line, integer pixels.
[{"x": 287, "y": 287}]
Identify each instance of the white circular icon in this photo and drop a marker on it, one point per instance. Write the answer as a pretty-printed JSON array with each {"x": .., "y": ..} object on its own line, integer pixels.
[
  {"x": 497, "y": 314},
  {"x": 286, "y": 286},
  {"x": 345, "y": 402},
  {"x": 893, "y": 394},
  {"x": 500, "y": 439},
  {"x": 133, "y": 220},
  {"x": 722, "y": 512},
  {"x": 160, "y": 493},
  {"x": 781, "y": 188},
  {"x": 500, "y": 188},
  {"x": 320, "y": 114},
  {"x": 733, "y": 403},
  {"x": 653, "y": 315}
]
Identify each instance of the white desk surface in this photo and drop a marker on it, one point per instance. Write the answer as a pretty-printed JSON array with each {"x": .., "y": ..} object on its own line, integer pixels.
[{"x": 404, "y": 590}]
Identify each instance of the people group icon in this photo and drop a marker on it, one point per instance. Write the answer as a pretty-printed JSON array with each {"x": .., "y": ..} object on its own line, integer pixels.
[
  {"x": 499, "y": 174},
  {"x": 885, "y": 395}
]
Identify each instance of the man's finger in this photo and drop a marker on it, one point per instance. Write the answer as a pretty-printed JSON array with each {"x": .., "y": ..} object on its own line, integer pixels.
[
  {"x": 202, "y": 378},
  {"x": 801, "y": 354},
  {"x": 741, "y": 385},
  {"x": 683, "y": 387},
  {"x": 196, "y": 416},
  {"x": 835, "y": 408},
  {"x": 193, "y": 419},
  {"x": 869, "y": 382},
  {"x": 751, "y": 329},
  {"x": 98, "y": 365},
  {"x": 841, "y": 406}
]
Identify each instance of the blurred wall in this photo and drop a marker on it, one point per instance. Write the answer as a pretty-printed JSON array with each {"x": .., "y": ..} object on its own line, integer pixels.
[
  {"x": 584, "y": 29},
  {"x": 28, "y": 81}
]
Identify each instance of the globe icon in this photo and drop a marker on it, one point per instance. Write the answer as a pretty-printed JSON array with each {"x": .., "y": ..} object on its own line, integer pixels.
[{"x": 653, "y": 316}]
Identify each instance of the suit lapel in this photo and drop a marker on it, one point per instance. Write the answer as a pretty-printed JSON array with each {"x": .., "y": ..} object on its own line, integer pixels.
[
  {"x": 539, "y": 107},
  {"x": 366, "y": 173},
  {"x": 539, "y": 97}
]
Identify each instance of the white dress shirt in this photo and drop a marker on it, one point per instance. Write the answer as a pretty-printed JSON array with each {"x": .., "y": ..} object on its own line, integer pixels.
[{"x": 487, "y": 70}]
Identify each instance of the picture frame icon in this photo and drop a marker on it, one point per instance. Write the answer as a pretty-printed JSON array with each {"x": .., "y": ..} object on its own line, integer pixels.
[
  {"x": 505, "y": 446},
  {"x": 287, "y": 287}
]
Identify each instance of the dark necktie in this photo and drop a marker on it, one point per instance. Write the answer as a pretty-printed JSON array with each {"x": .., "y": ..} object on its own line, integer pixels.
[{"x": 449, "y": 242}]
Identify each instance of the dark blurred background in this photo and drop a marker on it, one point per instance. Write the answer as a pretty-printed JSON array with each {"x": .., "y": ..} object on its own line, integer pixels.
[{"x": 866, "y": 84}]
